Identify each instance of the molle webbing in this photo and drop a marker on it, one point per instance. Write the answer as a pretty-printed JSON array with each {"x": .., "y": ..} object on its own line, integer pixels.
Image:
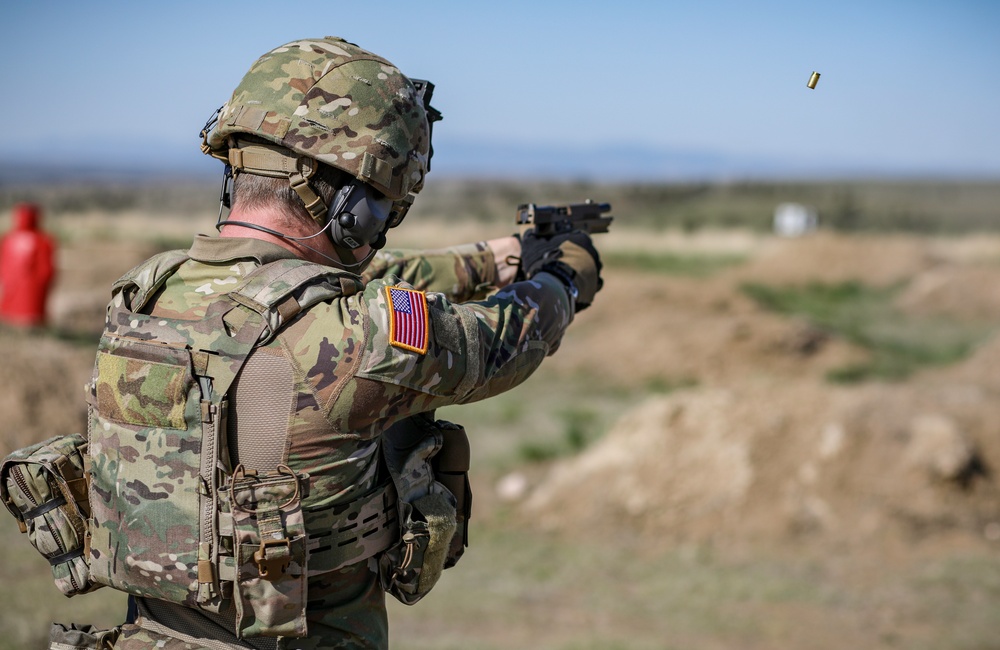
[
  {"x": 269, "y": 160},
  {"x": 370, "y": 521}
]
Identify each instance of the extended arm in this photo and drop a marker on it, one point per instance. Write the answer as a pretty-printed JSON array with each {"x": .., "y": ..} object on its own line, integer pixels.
[{"x": 461, "y": 273}]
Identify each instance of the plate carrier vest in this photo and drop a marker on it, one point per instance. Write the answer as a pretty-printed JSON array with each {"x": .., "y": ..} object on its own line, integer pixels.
[{"x": 170, "y": 519}]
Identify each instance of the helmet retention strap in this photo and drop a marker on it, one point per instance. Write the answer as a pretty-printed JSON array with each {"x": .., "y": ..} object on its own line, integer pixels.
[{"x": 313, "y": 202}]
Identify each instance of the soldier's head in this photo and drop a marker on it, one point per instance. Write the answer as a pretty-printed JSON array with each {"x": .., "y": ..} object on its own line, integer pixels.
[{"x": 323, "y": 128}]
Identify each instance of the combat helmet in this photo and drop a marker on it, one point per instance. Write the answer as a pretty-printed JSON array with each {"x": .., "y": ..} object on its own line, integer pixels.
[{"x": 329, "y": 101}]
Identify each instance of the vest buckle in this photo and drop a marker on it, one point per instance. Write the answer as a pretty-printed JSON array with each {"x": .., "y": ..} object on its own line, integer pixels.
[{"x": 273, "y": 558}]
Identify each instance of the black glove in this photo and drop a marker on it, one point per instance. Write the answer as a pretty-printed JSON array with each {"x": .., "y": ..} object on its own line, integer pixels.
[{"x": 571, "y": 257}]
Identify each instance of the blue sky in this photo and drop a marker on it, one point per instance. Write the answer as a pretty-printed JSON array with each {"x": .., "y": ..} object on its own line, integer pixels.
[{"x": 906, "y": 87}]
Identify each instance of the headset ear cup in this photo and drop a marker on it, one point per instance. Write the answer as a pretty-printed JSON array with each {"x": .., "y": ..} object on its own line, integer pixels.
[
  {"x": 342, "y": 237},
  {"x": 336, "y": 233},
  {"x": 359, "y": 215},
  {"x": 341, "y": 222}
]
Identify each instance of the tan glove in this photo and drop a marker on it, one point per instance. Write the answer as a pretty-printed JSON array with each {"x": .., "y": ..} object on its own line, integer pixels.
[{"x": 570, "y": 257}]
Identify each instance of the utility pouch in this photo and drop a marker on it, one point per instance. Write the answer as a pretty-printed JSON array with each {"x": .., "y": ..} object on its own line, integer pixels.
[
  {"x": 429, "y": 513},
  {"x": 270, "y": 544},
  {"x": 410, "y": 569},
  {"x": 451, "y": 469},
  {"x": 45, "y": 487},
  {"x": 81, "y": 637}
]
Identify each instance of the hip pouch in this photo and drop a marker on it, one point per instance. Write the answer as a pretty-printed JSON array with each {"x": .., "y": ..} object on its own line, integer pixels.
[
  {"x": 428, "y": 461},
  {"x": 45, "y": 487},
  {"x": 269, "y": 540}
]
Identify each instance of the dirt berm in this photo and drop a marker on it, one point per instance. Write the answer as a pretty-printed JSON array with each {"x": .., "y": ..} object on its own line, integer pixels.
[{"x": 763, "y": 448}]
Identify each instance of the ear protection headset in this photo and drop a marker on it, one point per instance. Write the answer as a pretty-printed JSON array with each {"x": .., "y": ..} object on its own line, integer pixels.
[
  {"x": 361, "y": 215},
  {"x": 358, "y": 215}
]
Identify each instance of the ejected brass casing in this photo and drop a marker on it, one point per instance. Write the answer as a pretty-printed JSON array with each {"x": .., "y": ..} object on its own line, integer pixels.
[{"x": 813, "y": 79}]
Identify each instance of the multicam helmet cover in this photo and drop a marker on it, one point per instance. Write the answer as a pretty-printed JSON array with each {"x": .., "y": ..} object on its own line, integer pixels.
[{"x": 331, "y": 101}]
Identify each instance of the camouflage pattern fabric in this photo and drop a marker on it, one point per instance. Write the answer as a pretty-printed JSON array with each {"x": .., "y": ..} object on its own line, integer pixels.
[
  {"x": 350, "y": 384},
  {"x": 332, "y": 101},
  {"x": 81, "y": 637},
  {"x": 158, "y": 400},
  {"x": 462, "y": 273},
  {"x": 44, "y": 487},
  {"x": 271, "y": 587}
]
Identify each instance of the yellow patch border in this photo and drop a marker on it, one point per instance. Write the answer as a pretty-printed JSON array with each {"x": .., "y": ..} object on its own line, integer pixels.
[{"x": 392, "y": 321}]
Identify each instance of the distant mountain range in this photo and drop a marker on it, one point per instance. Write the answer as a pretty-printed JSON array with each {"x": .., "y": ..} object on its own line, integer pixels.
[
  {"x": 615, "y": 163},
  {"x": 457, "y": 157}
]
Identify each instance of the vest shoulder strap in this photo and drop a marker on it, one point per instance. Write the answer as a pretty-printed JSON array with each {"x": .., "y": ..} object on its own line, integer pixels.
[
  {"x": 139, "y": 284},
  {"x": 280, "y": 290}
]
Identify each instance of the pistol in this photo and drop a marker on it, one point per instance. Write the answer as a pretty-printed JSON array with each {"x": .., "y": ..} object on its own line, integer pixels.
[{"x": 550, "y": 220}]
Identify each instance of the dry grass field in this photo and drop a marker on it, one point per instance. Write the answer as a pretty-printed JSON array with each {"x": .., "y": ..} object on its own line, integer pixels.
[{"x": 747, "y": 442}]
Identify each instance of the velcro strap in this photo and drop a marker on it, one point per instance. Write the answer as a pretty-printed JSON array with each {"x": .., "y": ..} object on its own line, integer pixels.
[
  {"x": 269, "y": 160},
  {"x": 66, "y": 557},
  {"x": 310, "y": 199},
  {"x": 262, "y": 161},
  {"x": 205, "y": 572},
  {"x": 288, "y": 309},
  {"x": 235, "y": 319},
  {"x": 378, "y": 172},
  {"x": 45, "y": 507}
]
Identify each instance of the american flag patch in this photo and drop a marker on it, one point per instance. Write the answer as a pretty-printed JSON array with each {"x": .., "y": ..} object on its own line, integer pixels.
[{"x": 407, "y": 319}]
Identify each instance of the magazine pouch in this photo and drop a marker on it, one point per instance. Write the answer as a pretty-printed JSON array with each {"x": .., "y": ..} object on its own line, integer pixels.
[{"x": 270, "y": 543}]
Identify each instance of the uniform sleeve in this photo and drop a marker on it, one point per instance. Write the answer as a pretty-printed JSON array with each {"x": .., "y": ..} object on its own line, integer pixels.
[
  {"x": 460, "y": 272},
  {"x": 473, "y": 350}
]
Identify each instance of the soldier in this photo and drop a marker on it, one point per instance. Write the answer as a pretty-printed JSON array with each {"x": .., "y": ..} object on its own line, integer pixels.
[{"x": 326, "y": 144}]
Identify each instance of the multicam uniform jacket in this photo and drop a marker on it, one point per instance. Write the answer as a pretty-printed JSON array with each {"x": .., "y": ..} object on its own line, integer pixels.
[{"x": 340, "y": 374}]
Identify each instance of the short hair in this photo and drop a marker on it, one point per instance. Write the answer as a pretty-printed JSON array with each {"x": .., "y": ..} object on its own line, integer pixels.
[{"x": 255, "y": 191}]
